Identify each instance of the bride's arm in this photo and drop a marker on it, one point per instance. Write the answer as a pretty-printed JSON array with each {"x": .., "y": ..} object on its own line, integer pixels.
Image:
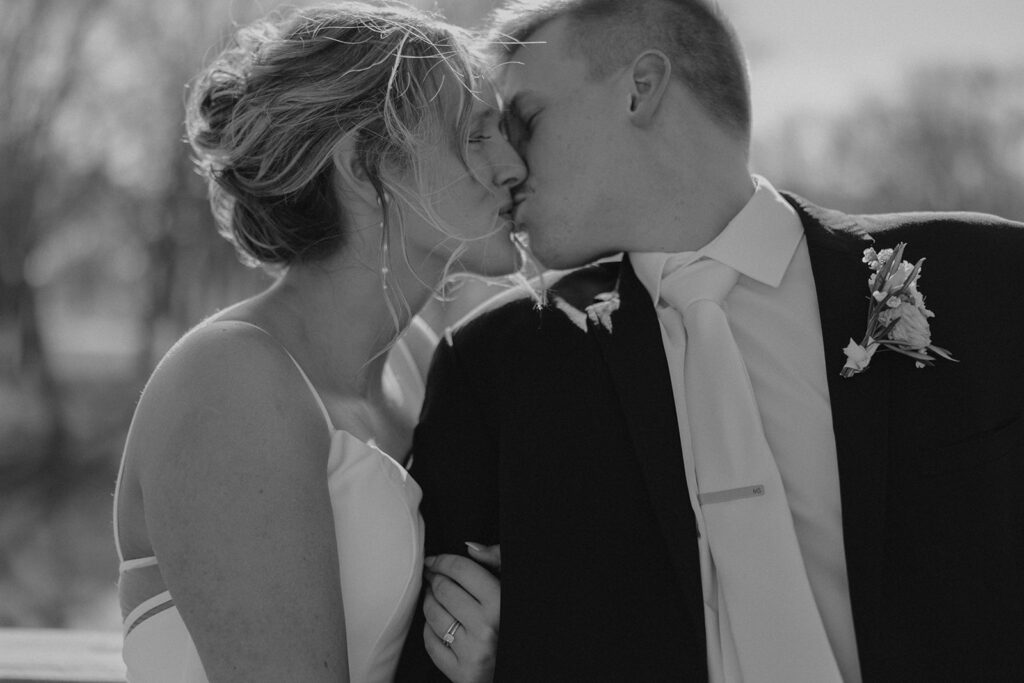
[
  {"x": 238, "y": 511},
  {"x": 455, "y": 462}
]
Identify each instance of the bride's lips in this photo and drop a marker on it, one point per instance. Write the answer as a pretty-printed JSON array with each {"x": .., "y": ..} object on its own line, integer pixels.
[
  {"x": 508, "y": 212},
  {"x": 518, "y": 199}
]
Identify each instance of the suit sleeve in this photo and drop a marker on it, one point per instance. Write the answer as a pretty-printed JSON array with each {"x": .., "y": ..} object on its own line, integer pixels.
[{"x": 455, "y": 463}]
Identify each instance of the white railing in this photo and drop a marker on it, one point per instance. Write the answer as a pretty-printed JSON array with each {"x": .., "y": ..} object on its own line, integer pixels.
[{"x": 68, "y": 656}]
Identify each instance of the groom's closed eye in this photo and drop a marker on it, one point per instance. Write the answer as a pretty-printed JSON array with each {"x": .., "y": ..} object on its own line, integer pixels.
[{"x": 514, "y": 128}]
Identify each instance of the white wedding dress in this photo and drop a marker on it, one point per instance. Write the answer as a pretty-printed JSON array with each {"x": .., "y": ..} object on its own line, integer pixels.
[{"x": 380, "y": 546}]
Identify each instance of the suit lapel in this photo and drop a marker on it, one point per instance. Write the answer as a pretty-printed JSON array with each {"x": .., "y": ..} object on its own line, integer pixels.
[
  {"x": 860, "y": 410},
  {"x": 636, "y": 361}
]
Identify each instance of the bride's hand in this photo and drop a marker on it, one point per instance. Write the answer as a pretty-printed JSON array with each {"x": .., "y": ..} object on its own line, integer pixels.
[{"x": 463, "y": 606}]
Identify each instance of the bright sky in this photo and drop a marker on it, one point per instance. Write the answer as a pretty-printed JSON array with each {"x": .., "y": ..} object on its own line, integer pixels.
[{"x": 823, "y": 54}]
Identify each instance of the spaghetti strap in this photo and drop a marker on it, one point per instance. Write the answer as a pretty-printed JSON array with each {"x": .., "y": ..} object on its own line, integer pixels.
[
  {"x": 302, "y": 373},
  {"x": 117, "y": 524}
]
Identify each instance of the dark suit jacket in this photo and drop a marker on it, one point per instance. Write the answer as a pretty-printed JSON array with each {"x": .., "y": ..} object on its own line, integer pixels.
[{"x": 563, "y": 446}]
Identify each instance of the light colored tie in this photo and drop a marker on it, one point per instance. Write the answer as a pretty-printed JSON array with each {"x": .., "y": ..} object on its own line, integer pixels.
[{"x": 769, "y": 624}]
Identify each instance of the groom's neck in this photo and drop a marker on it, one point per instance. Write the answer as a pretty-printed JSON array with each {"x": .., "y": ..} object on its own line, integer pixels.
[{"x": 683, "y": 211}]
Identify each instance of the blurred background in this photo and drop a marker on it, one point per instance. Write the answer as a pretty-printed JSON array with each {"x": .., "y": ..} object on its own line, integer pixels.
[{"x": 108, "y": 252}]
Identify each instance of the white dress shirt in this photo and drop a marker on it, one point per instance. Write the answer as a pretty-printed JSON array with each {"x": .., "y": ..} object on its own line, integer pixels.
[{"x": 773, "y": 312}]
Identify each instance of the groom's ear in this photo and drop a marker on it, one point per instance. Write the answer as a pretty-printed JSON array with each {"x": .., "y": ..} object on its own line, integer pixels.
[{"x": 651, "y": 71}]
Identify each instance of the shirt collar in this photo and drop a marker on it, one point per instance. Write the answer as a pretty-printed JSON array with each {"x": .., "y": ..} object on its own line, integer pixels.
[{"x": 759, "y": 242}]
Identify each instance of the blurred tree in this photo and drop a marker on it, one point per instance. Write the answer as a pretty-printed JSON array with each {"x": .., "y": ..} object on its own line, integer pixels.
[
  {"x": 187, "y": 270},
  {"x": 100, "y": 214},
  {"x": 39, "y": 64},
  {"x": 953, "y": 140},
  {"x": 40, "y": 59}
]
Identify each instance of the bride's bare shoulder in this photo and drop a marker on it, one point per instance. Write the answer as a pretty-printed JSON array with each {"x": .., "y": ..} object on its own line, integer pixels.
[
  {"x": 220, "y": 354},
  {"x": 220, "y": 378}
]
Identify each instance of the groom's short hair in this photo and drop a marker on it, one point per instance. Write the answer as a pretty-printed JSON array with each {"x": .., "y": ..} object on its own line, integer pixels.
[{"x": 705, "y": 52}]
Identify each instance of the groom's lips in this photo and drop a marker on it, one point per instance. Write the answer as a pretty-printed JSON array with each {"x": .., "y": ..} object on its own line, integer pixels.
[
  {"x": 508, "y": 212},
  {"x": 517, "y": 204}
]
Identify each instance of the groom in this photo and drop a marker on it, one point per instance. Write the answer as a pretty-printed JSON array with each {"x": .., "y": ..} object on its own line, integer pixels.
[{"x": 683, "y": 484}]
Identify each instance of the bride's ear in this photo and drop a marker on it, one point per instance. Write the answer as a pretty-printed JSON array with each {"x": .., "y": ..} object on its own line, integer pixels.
[
  {"x": 354, "y": 179},
  {"x": 651, "y": 72}
]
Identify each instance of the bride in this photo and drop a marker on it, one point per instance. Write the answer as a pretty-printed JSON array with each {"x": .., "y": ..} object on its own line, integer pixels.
[{"x": 265, "y": 521}]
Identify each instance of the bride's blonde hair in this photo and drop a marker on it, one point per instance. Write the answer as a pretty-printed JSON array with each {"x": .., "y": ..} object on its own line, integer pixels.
[{"x": 265, "y": 117}]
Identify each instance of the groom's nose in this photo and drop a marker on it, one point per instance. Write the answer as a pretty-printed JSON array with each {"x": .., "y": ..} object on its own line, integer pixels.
[
  {"x": 510, "y": 171},
  {"x": 515, "y": 131}
]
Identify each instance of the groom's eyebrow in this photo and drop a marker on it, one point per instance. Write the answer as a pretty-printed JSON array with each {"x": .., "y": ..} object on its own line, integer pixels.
[
  {"x": 517, "y": 103},
  {"x": 485, "y": 115}
]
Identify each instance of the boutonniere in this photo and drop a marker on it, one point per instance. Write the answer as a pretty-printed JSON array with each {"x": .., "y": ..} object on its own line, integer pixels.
[
  {"x": 599, "y": 312},
  {"x": 897, "y": 317}
]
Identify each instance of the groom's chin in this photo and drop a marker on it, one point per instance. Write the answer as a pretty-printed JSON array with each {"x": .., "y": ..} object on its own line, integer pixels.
[
  {"x": 547, "y": 255},
  {"x": 564, "y": 259},
  {"x": 554, "y": 250}
]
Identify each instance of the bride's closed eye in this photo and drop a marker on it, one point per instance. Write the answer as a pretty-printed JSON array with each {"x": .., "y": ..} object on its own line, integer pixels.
[{"x": 486, "y": 125}]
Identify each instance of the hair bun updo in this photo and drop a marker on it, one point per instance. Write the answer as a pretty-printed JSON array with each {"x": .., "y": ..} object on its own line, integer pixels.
[
  {"x": 215, "y": 94},
  {"x": 265, "y": 117}
]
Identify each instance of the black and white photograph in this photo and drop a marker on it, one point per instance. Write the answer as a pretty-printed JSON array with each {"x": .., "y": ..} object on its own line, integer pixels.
[{"x": 370, "y": 341}]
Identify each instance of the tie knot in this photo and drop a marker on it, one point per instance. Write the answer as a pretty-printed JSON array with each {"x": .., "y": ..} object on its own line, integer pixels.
[{"x": 702, "y": 280}]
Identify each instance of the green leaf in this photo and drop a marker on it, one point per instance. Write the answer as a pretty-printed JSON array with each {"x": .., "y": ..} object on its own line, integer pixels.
[
  {"x": 914, "y": 354},
  {"x": 899, "y": 342},
  {"x": 942, "y": 352},
  {"x": 911, "y": 278}
]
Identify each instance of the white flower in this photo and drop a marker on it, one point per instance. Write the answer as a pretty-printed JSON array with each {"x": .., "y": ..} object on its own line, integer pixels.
[
  {"x": 912, "y": 326},
  {"x": 575, "y": 316},
  {"x": 888, "y": 316},
  {"x": 601, "y": 311},
  {"x": 899, "y": 275},
  {"x": 858, "y": 357},
  {"x": 916, "y": 297},
  {"x": 897, "y": 317}
]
